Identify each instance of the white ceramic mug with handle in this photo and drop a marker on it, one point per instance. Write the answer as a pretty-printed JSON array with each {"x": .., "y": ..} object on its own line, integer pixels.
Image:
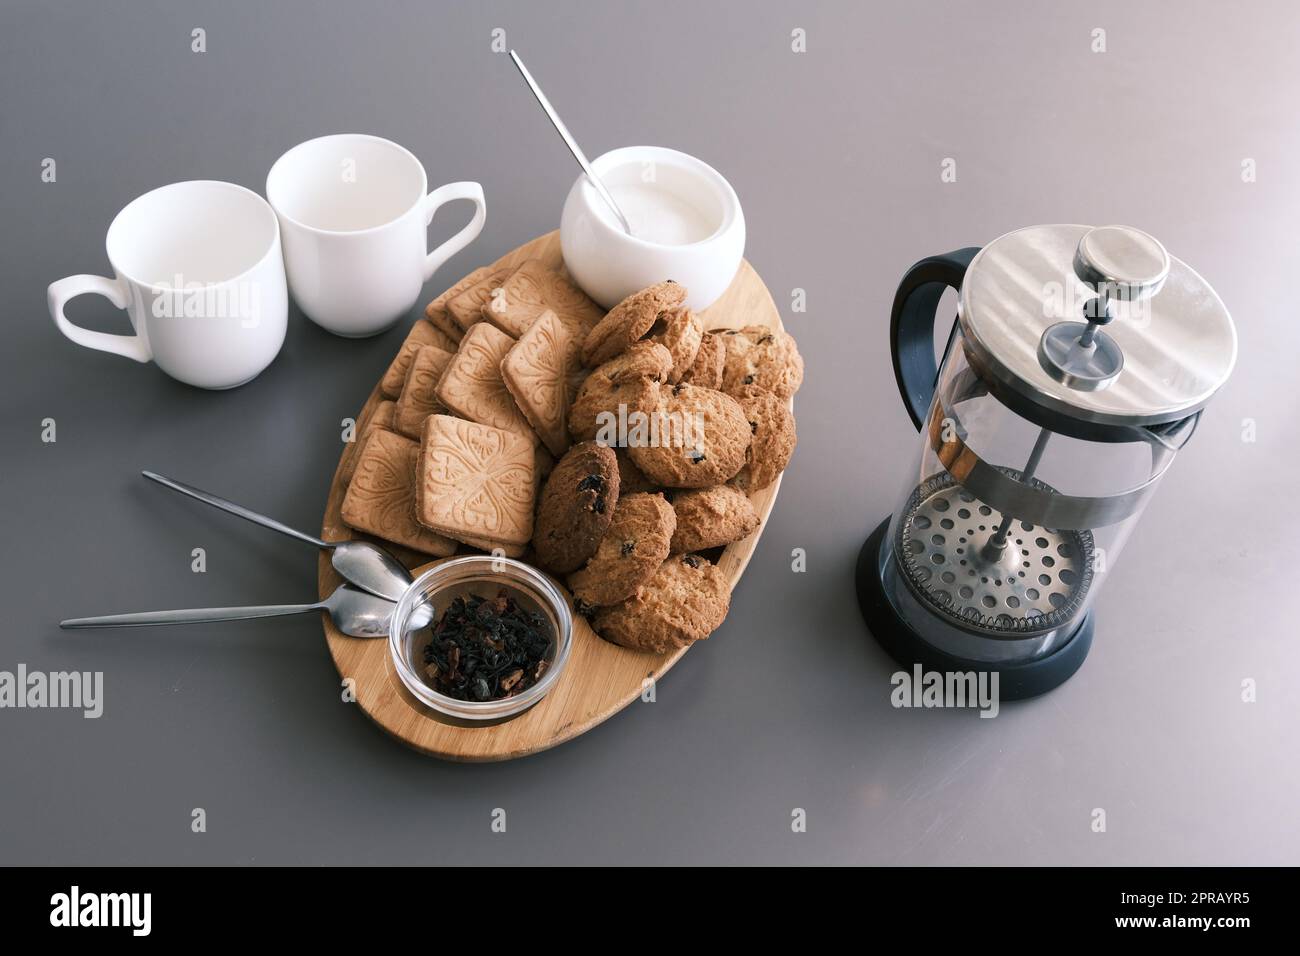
[
  {"x": 354, "y": 211},
  {"x": 198, "y": 270}
]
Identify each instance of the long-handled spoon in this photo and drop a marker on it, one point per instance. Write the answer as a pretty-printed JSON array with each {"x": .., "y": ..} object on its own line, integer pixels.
[
  {"x": 366, "y": 565},
  {"x": 570, "y": 142},
  {"x": 354, "y": 612}
]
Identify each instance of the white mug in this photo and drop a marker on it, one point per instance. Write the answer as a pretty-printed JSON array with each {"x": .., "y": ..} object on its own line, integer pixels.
[
  {"x": 355, "y": 213},
  {"x": 198, "y": 270}
]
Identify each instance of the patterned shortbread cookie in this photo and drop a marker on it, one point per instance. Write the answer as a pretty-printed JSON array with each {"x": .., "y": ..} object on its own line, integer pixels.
[
  {"x": 706, "y": 370},
  {"x": 711, "y": 518},
  {"x": 576, "y": 507},
  {"x": 757, "y": 355},
  {"x": 436, "y": 311},
  {"x": 685, "y": 601},
  {"x": 381, "y": 496},
  {"x": 422, "y": 333},
  {"x": 535, "y": 375},
  {"x": 701, "y": 440},
  {"x": 383, "y": 415},
  {"x": 475, "y": 482},
  {"x": 472, "y": 386},
  {"x": 533, "y": 289},
  {"x": 629, "y": 321},
  {"x": 680, "y": 332},
  {"x": 630, "y": 380},
  {"x": 466, "y": 307},
  {"x": 441, "y": 320},
  {"x": 418, "y": 399},
  {"x": 634, "y": 546},
  {"x": 773, "y": 438}
]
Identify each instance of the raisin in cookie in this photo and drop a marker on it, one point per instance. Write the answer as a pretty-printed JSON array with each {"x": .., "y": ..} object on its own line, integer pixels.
[
  {"x": 631, "y": 380},
  {"x": 710, "y": 518},
  {"x": 577, "y": 506},
  {"x": 679, "y": 331},
  {"x": 757, "y": 355},
  {"x": 710, "y": 359},
  {"x": 629, "y": 321},
  {"x": 700, "y": 440},
  {"x": 685, "y": 601},
  {"x": 773, "y": 441},
  {"x": 634, "y": 546}
]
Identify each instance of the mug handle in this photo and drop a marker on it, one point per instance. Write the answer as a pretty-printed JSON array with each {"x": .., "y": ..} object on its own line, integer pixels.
[
  {"x": 444, "y": 194},
  {"x": 911, "y": 326},
  {"x": 132, "y": 346}
]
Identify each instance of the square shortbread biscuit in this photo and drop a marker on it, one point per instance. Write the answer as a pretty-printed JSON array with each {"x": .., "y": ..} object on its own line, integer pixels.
[
  {"x": 381, "y": 496},
  {"x": 466, "y": 308},
  {"x": 533, "y": 289},
  {"x": 419, "y": 399},
  {"x": 381, "y": 416},
  {"x": 422, "y": 333},
  {"x": 536, "y": 376},
  {"x": 475, "y": 482},
  {"x": 436, "y": 311},
  {"x": 472, "y": 385}
]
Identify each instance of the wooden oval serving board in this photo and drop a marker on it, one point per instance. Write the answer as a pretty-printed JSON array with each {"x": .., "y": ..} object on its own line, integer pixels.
[{"x": 600, "y": 678}]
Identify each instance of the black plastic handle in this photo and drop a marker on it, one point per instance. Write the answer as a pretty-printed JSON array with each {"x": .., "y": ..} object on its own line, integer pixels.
[{"x": 911, "y": 326}]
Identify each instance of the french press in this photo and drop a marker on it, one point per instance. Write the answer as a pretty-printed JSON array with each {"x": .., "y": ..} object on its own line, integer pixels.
[{"x": 1077, "y": 367}]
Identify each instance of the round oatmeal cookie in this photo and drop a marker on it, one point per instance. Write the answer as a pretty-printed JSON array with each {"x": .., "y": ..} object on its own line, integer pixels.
[
  {"x": 629, "y": 321},
  {"x": 772, "y": 426},
  {"x": 699, "y": 439},
  {"x": 757, "y": 355},
  {"x": 576, "y": 507},
  {"x": 710, "y": 359},
  {"x": 631, "y": 379},
  {"x": 679, "y": 331},
  {"x": 630, "y": 479},
  {"x": 685, "y": 601},
  {"x": 635, "y": 544},
  {"x": 710, "y": 518}
]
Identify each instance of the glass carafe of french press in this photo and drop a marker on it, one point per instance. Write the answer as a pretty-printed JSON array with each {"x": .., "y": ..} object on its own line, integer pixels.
[{"x": 1077, "y": 367}]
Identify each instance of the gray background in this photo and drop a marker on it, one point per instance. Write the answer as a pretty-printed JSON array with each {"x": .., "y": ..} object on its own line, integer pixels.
[{"x": 835, "y": 154}]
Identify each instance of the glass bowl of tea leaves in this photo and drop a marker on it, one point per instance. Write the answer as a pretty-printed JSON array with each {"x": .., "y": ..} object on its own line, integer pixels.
[{"x": 481, "y": 638}]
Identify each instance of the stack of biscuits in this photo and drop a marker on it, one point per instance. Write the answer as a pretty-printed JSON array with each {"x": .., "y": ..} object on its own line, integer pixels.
[{"x": 611, "y": 450}]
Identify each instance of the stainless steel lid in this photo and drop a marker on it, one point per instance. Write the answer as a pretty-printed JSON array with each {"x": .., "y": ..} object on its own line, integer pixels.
[{"x": 1098, "y": 324}]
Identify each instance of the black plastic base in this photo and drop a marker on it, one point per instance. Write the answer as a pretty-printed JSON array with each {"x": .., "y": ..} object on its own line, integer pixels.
[{"x": 1015, "y": 682}]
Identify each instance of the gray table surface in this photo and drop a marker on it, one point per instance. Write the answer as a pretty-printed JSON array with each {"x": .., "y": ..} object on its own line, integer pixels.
[{"x": 836, "y": 156}]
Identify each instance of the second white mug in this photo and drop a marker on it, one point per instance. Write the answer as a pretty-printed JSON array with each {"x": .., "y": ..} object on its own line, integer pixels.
[{"x": 354, "y": 212}]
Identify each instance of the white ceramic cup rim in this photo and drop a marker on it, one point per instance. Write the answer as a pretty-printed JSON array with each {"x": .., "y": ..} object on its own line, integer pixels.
[
  {"x": 261, "y": 203},
  {"x": 356, "y": 137},
  {"x": 627, "y": 155}
]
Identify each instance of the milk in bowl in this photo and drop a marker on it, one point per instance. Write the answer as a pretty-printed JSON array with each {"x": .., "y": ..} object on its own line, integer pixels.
[{"x": 687, "y": 225}]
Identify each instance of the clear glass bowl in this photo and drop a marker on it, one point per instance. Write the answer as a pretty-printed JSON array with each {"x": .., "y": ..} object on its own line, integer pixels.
[{"x": 428, "y": 597}]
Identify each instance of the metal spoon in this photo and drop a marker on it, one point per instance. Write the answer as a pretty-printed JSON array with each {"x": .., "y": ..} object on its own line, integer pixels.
[
  {"x": 366, "y": 565},
  {"x": 570, "y": 142},
  {"x": 354, "y": 612}
]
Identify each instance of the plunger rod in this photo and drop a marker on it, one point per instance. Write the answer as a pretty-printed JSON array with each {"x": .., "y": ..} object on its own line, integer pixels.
[{"x": 999, "y": 540}]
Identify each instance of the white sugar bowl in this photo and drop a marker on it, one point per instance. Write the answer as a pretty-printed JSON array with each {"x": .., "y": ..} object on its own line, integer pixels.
[{"x": 687, "y": 225}]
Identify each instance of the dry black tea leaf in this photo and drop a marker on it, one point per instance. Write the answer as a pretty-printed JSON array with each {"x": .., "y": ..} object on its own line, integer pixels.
[{"x": 486, "y": 648}]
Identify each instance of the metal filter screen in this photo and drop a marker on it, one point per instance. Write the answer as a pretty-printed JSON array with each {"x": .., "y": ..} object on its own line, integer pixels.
[{"x": 1035, "y": 583}]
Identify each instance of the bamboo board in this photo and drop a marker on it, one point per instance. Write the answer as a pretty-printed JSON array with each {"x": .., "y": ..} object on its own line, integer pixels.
[{"x": 600, "y": 678}]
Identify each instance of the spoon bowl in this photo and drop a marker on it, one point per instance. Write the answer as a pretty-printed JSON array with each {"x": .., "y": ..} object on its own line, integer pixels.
[{"x": 369, "y": 567}]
